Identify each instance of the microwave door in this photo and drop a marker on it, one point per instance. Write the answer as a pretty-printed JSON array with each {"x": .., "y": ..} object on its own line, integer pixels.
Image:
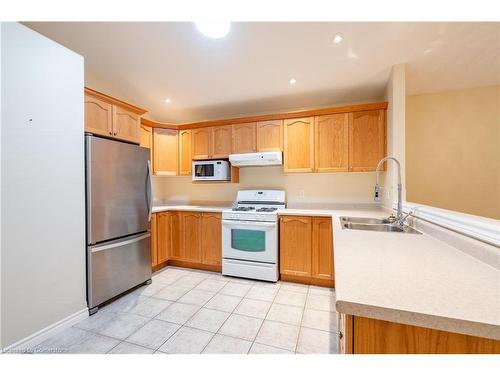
[{"x": 204, "y": 170}]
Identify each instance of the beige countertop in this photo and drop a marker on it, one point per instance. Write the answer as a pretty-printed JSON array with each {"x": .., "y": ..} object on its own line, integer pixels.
[
  {"x": 202, "y": 206},
  {"x": 404, "y": 278}
]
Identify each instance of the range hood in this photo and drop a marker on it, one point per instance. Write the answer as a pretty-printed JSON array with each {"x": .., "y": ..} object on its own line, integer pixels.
[{"x": 256, "y": 159}]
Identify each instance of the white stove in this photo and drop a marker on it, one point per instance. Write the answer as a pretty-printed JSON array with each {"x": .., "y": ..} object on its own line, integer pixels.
[{"x": 250, "y": 235}]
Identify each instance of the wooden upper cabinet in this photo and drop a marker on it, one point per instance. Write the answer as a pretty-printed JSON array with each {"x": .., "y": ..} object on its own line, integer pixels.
[
  {"x": 165, "y": 147},
  {"x": 201, "y": 143},
  {"x": 146, "y": 140},
  {"x": 367, "y": 140},
  {"x": 322, "y": 248},
  {"x": 163, "y": 236},
  {"x": 190, "y": 237},
  {"x": 146, "y": 137},
  {"x": 244, "y": 138},
  {"x": 331, "y": 143},
  {"x": 298, "y": 137},
  {"x": 185, "y": 153},
  {"x": 221, "y": 141},
  {"x": 126, "y": 125},
  {"x": 270, "y": 136},
  {"x": 110, "y": 117},
  {"x": 98, "y": 116},
  {"x": 295, "y": 245},
  {"x": 211, "y": 233}
]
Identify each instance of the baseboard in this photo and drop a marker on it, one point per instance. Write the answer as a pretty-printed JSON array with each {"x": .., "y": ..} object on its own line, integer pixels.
[
  {"x": 198, "y": 266},
  {"x": 47, "y": 332},
  {"x": 328, "y": 283}
]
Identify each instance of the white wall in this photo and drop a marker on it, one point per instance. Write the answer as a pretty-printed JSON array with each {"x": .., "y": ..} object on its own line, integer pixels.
[
  {"x": 396, "y": 95},
  {"x": 42, "y": 175}
]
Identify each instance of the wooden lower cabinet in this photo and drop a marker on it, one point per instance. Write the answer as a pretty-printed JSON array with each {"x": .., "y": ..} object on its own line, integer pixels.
[
  {"x": 322, "y": 249},
  {"x": 175, "y": 236},
  {"x": 186, "y": 239},
  {"x": 163, "y": 225},
  {"x": 190, "y": 236},
  {"x": 360, "y": 335},
  {"x": 306, "y": 250},
  {"x": 154, "y": 240},
  {"x": 211, "y": 234},
  {"x": 295, "y": 245}
]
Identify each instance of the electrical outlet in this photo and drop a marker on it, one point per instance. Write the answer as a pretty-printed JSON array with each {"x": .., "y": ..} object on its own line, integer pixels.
[{"x": 301, "y": 194}]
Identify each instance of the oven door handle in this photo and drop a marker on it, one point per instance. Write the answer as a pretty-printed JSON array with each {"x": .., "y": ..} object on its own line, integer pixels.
[{"x": 234, "y": 223}]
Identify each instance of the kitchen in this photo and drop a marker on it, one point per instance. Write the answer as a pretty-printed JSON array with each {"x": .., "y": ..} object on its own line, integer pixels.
[{"x": 306, "y": 223}]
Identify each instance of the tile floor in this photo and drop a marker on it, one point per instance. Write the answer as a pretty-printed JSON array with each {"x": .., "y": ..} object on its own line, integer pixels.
[{"x": 190, "y": 311}]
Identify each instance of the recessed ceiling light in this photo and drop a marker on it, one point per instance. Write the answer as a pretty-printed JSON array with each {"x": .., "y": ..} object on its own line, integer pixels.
[
  {"x": 292, "y": 81},
  {"x": 214, "y": 29},
  {"x": 338, "y": 38},
  {"x": 168, "y": 101}
]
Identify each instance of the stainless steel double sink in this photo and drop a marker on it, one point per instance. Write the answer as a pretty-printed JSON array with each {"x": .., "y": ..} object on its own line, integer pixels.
[{"x": 375, "y": 225}]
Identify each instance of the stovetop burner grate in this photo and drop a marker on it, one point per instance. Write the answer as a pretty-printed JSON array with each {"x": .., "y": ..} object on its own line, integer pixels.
[
  {"x": 243, "y": 209},
  {"x": 266, "y": 209}
]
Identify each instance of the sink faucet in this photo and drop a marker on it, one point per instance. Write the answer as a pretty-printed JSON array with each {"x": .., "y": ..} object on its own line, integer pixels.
[{"x": 399, "y": 217}]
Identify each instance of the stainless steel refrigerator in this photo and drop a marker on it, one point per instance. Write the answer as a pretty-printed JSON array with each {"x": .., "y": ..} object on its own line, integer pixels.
[{"x": 119, "y": 204}]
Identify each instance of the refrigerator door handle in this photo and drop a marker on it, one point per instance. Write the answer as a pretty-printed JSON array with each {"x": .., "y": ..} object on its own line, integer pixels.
[
  {"x": 149, "y": 192},
  {"x": 95, "y": 249}
]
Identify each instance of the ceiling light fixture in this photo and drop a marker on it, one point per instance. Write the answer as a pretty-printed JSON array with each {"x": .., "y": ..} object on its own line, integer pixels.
[
  {"x": 214, "y": 29},
  {"x": 292, "y": 81},
  {"x": 168, "y": 101},
  {"x": 338, "y": 38}
]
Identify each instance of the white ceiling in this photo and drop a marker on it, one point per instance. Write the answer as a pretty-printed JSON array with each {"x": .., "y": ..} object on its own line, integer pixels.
[{"x": 248, "y": 71}]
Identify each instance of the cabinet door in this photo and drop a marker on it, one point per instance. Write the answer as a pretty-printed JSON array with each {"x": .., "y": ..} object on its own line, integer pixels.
[
  {"x": 154, "y": 240},
  {"x": 191, "y": 236},
  {"x": 201, "y": 143},
  {"x": 185, "y": 153},
  {"x": 331, "y": 143},
  {"x": 146, "y": 140},
  {"x": 165, "y": 151},
  {"x": 98, "y": 116},
  {"x": 211, "y": 233},
  {"x": 298, "y": 139},
  {"x": 164, "y": 236},
  {"x": 295, "y": 245},
  {"x": 366, "y": 140},
  {"x": 222, "y": 141},
  {"x": 322, "y": 248},
  {"x": 244, "y": 138},
  {"x": 146, "y": 137},
  {"x": 126, "y": 125},
  {"x": 270, "y": 136},
  {"x": 175, "y": 236}
]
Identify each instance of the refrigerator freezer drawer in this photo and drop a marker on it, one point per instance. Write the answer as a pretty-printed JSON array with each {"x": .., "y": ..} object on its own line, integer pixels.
[{"x": 116, "y": 266}]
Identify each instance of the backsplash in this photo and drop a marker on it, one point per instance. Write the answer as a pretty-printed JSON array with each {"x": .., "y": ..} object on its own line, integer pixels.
[{"x": 301, "y": 188}]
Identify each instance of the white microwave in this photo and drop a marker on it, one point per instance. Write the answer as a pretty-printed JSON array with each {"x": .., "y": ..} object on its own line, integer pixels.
[{"x": 213, "y": 170}]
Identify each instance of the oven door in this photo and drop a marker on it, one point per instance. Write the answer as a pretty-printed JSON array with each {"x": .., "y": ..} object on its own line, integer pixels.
[{"x": 250, "y": 240}]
